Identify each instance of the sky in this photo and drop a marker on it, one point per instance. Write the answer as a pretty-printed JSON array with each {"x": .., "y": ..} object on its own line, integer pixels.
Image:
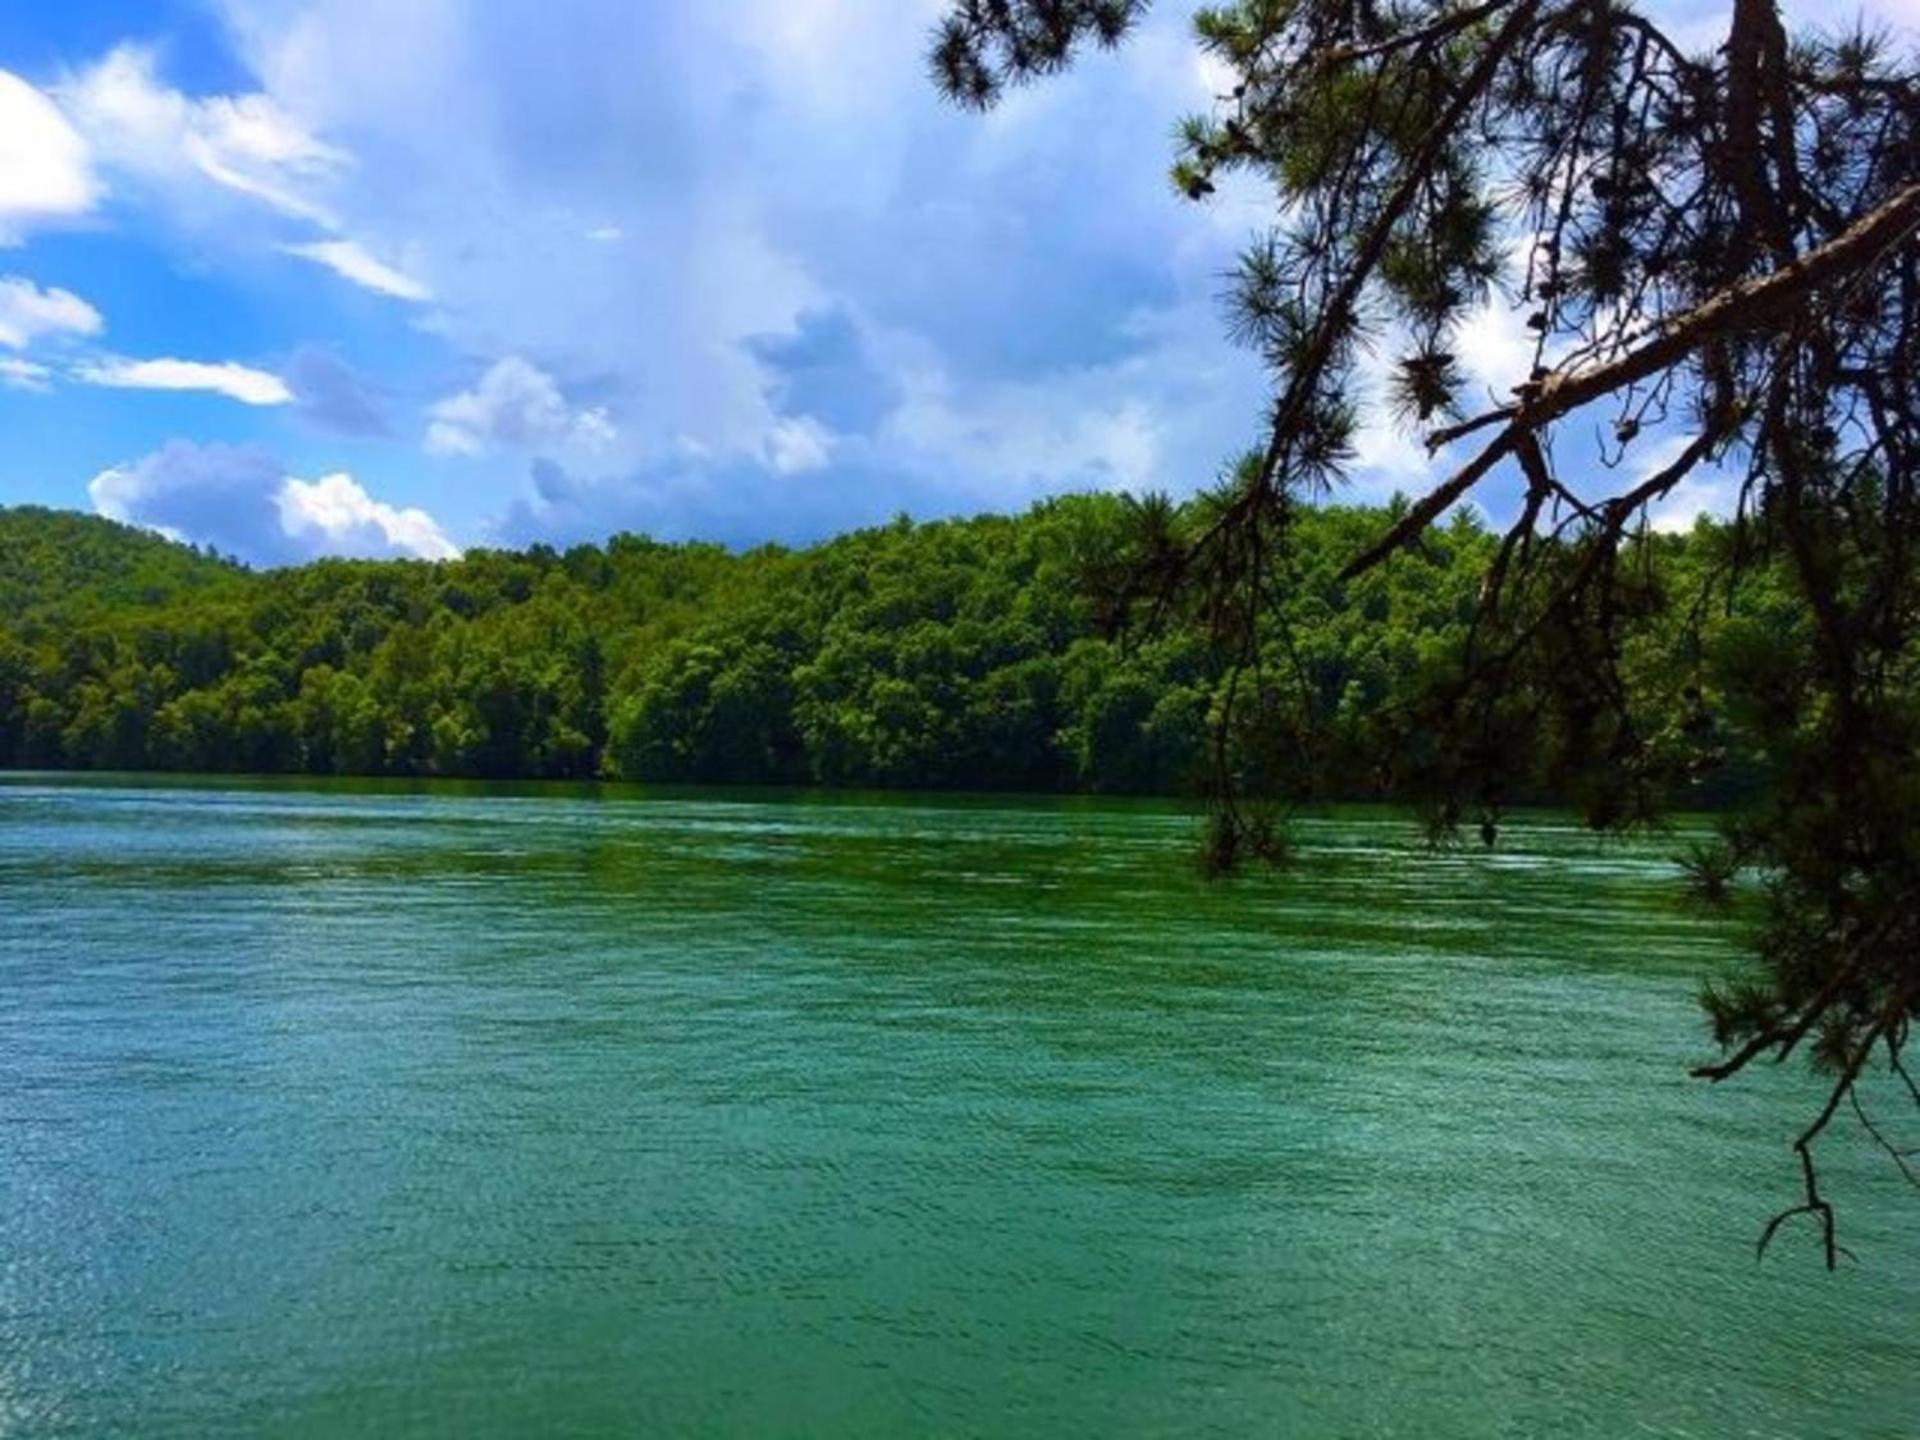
[{"x": 403, "y": 277}]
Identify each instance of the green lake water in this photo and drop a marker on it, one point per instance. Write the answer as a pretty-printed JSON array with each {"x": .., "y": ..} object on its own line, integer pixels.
[{"x": 370, "y": 1112}]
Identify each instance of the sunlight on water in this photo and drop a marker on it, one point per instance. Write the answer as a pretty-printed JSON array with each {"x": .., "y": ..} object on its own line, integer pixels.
[{"x": 367, "y": 1111}]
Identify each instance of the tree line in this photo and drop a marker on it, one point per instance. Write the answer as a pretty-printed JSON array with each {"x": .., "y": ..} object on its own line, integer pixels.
[{"x": 987, "y": 653}]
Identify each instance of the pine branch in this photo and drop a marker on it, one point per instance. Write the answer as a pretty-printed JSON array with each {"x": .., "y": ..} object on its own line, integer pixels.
[{"x": 1742, "y": 308}]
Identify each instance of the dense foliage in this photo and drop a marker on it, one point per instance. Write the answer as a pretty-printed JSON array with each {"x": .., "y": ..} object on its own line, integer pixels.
[
  {"x": 77, "y": 564},
  {"x": 976, "y": 653}
]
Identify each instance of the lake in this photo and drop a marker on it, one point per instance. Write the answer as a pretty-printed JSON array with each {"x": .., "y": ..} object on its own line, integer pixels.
[{"x": 390, "y": 1110}]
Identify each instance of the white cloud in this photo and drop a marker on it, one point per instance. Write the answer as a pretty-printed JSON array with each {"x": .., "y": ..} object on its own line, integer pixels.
[
  {"x": 446, "y": 439},
  {"x": 28, "y": 312},
  {"x": 1495, "y": 349},
  {"x": 241, "y": 500},
  {"x": 595, "y": 428},
  {"x": 338, "y": 516},
  {"x": 453, "y": 110},
  {"x": 347, "y": 259},
  {"x": 797, "y": 444},
  {"x": 1019, "y": 440},
  {"x": 1707, "y": 490},
  {"x": 245, "y": 144},
  {"x": 18, "y": 374},
  {"x": 237, "y": 382},
  {"x": 1709, "y": 28},
  {"x": 515, "y": 403},
  {"x": 772, "y": 159},
  {"x": 45, "y": 173}
]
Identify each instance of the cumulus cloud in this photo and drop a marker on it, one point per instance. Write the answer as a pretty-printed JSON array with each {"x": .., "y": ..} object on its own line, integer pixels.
[
  {"x": 823, "y": 275},
  {"x": 236, "y": 382},
  {"x": 27, "y": 312},
  {"x": 933, "y": 458},
  {"x": 798, "y": 444},
  {"x": 333, "y": 396},
  {"x": 515, "y": 404},
  {"x": 1707, "y": 490},
  {"x": 1016, "y": 443},
  {"x": 243, "y": 144},
  {"x": 241, "y": 501},
  {"x": 1495, "y": 349},
  {"x": 806, "y": 288},
  {"x": 210, "y": 495},
  {"x": 347, "y": 259},
  {"x": 337, "y": 517},
  {"x": 1494, "y": 352},
  {"x": 46, "y": 173}
]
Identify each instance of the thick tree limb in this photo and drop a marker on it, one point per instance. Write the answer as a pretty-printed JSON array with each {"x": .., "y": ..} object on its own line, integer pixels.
[
  {"x": 1750, "y": 44},
  {"x": 1738, "y": 309}
]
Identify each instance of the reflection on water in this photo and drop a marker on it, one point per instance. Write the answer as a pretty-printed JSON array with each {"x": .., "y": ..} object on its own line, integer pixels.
[{"x": 387, "y": 1109}]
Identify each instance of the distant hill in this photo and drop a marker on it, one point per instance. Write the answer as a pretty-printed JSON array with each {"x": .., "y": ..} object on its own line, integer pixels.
[
  {"x": 52, "y": 558},
  {"x": 957, "y": 654}
]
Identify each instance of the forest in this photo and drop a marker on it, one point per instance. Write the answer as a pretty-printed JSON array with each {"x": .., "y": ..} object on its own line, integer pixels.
[{"x": 981, "y": 653}]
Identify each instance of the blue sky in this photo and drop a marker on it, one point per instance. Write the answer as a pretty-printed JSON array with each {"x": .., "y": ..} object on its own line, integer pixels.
[{"x": 295, "y": 277}]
